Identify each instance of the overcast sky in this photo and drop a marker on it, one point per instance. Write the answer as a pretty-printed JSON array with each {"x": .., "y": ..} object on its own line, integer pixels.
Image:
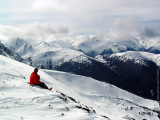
[{"x": 80, "y": 16}]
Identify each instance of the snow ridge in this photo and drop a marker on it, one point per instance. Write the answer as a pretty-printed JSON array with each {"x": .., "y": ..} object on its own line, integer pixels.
[{"x": 138, "y": 57}]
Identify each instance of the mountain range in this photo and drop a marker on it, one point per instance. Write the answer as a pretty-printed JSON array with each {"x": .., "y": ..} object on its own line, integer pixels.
[{"x": 130, "y": 65}]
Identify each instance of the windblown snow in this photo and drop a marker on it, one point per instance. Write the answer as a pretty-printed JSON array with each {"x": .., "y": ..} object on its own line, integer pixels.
[{"x": 73, "y": 97}]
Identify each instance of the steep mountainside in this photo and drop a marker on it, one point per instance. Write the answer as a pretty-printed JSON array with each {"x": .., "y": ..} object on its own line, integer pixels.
[
  {"x": 9, "y": 53},
  {"x": 138, "y": 76}
]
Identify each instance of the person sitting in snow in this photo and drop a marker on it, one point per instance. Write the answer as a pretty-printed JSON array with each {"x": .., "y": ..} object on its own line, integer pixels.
[{"x": 35, "y": 80}]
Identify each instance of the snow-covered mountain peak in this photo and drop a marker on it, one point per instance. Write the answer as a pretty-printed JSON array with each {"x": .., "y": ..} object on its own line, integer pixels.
[
  {"x": 43, "y": 54},
  {"x": 133, "y": 55},
  {"x": 49, "y": 58},
  {"x": 81, "y": 59},
  {"x": 44, "y": 44}
]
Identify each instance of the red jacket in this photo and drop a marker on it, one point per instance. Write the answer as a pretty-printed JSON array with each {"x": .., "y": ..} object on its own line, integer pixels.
[{"x": 34, "y": 79}]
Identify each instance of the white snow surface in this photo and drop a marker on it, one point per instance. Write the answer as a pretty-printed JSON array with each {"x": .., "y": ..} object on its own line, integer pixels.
[
  {"x": 138, "y": 56},
  {"x": 20, "y": 101}
]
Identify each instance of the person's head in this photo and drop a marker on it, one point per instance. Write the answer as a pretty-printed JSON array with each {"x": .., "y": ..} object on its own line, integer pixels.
[{"x": 36, "y": 70}]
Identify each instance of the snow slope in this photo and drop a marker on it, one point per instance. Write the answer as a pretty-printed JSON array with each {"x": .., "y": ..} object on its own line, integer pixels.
[{"x": 73, "y": 97}]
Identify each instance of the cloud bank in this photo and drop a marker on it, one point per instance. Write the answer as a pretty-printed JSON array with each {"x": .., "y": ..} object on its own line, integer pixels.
[
  {"x": 124, "y": 29},
  {"x": 47, "y": 19},
  {"x": 34, "y": 31}
]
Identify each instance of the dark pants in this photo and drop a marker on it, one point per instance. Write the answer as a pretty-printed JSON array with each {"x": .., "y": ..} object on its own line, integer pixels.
[{"x": 42, "y": 85}]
